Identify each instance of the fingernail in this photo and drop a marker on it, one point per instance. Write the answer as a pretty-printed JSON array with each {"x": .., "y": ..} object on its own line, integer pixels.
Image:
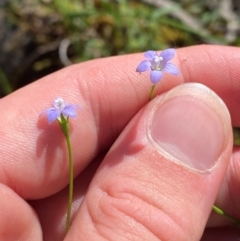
[{"x": 189, "y": 126}]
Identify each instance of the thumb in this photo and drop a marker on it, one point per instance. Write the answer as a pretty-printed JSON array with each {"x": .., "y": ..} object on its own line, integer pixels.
[{"x": 160, "y": 179}]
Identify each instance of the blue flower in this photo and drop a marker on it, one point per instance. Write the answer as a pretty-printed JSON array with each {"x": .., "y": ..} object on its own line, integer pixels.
[
  {"x": 158, "y": 64},
  {"x": 60, "y": 109}
]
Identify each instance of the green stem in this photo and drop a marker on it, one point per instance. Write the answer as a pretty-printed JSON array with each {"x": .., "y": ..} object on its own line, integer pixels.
[
  {"x": 64, "y": 125},
  {"x": 70, "y": 192},
  {"x": 221, "y": 212},
  {"x": 152, "y": 92}
]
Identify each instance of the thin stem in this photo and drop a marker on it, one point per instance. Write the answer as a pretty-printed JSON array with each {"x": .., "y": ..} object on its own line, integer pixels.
[
  {"x": 64, "y": 125},
  {"x": 221, "y": 212},
  {"x": 152, "y": 92},
  {"x": 70, "y": 192}
]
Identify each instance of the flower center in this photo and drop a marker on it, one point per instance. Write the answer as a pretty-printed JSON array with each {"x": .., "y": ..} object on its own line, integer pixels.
[
  {"x": 157, "y": 63},
  {"x": 59, "y": 103}
]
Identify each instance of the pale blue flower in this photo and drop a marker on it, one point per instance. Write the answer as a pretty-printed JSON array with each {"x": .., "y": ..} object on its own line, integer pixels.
[
  {"x": 59, "y": 107},
  {"x": 157, "y": 64}
]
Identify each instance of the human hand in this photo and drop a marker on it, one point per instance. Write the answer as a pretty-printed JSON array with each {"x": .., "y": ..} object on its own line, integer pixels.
[{"x": 139, "y": 191}]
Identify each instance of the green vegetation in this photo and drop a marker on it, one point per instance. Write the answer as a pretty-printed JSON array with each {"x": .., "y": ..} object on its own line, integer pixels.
[{"x": 87, "y": 29}]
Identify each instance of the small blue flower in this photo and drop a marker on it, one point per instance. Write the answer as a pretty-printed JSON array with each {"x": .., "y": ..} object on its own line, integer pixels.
[
  {"x": 158, "y": 64},
  {"x": 60, "y": 108}
]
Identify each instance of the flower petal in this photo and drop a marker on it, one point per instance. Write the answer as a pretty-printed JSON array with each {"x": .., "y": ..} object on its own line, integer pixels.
[
  {"x": 52, "y": 115},
  {"x": 45, "y": 111},
  {"x": 143, "y": 66},
  {"x": 155, "y": 76},
  {"x": 150, "y": 54},
  {"x": 167, "y": 54},
  {"x": 171, "y": 68},
  {"x": 69, "y": 111}
]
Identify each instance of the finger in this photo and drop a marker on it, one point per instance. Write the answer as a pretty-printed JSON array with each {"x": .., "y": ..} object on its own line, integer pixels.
[
  {"x": 52, "y": 210},
  {"x": 33, "y": 154},
  {"x": 18, "y": 221},
  {"x": 215, "y": 68},
  {"x": 161, "y": 177},
  {"x": 229, "y": 194}
]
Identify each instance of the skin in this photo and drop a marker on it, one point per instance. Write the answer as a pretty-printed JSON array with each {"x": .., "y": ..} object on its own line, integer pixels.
[{"x": 34, "y": 170}]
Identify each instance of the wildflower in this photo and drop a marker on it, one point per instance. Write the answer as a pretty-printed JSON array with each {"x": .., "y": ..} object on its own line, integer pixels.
[
  {"x": 60, "y": 110},
  {"x": 158, "y": 64}
]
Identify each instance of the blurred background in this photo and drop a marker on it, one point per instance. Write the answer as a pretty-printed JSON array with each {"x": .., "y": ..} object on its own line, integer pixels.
[{"x": 39, "y": 37}]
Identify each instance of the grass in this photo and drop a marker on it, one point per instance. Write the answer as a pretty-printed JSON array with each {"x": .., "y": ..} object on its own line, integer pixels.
[{"x": 99, "y": 28}]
